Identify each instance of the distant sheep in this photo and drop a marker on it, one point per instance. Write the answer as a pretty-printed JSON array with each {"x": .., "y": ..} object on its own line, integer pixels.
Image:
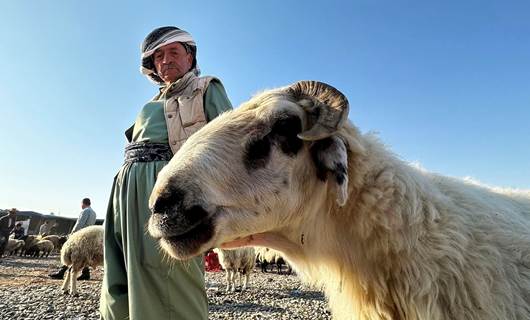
[
  {"x": 237, "y": 261},
  {"x": 268, "y": 256},
  {"x": 83, "y": 248},
  {"x": 41, "y": 248},
  {"x": 287, "y": 170},
  {"x": 29, "y": 242},
  {"x": 13, "y": 246},
  {"x": 58, "y": 241}
]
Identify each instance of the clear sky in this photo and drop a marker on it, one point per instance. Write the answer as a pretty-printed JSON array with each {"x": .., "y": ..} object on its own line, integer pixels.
[{"x": 445, "y": 83}]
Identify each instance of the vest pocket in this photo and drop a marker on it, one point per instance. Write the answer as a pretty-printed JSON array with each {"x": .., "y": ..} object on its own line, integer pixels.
[{"x": 191, "y": 110}]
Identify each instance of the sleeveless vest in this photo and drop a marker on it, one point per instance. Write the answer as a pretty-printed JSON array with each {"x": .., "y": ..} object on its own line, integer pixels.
[{"x": 184, "y": 113}]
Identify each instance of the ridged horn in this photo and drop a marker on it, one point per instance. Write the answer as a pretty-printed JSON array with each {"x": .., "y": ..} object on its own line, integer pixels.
[{"x": 328, "y": 112}]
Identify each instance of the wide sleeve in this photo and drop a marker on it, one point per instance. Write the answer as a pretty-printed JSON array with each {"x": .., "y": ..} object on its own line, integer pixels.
[{"x": 215, "y": 100}]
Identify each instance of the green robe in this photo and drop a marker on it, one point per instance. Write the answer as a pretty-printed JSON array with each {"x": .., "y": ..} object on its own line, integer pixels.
[{"x": 140, "y": 282}]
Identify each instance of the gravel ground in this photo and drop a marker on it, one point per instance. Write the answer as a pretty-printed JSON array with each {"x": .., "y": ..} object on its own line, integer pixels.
[{"x": 26, "y": 292}]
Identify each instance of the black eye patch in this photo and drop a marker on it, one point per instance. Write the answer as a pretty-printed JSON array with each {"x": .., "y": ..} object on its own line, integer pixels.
[
  {"x": 283, "y": 133},
  {"x": 257, "y": 153}
]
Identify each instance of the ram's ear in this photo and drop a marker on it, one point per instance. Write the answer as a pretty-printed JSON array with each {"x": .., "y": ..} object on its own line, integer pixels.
[{"x": 330, "y": 156}]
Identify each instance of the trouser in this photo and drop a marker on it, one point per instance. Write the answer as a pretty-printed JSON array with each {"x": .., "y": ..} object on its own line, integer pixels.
[
  {"x": 85, "y": 271},
  {"x": 140, "y": 282}
]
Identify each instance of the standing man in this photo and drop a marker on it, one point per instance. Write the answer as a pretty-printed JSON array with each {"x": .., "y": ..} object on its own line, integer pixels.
[
  {"x": 7, "y": 224},
  {"x": 44, "y": 229},
  {"x": 86, "y": 218},
  {"x": 139, "y": 281}
]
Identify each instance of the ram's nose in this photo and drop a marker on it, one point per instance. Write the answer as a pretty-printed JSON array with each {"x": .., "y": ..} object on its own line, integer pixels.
[
  {"x": 172, "y": 214},
  {"x": 165, "y": 198}
]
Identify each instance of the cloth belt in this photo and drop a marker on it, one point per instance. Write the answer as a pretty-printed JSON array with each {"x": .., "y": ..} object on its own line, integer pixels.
[{"x": 147, "y": 152}]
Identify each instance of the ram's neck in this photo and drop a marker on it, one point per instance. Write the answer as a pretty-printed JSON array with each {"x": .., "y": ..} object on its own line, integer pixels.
[{"x": 354, "y": 251}]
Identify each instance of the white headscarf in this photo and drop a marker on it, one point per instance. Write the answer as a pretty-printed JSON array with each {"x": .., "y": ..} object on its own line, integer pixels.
[{"x": 160, "y": 37}]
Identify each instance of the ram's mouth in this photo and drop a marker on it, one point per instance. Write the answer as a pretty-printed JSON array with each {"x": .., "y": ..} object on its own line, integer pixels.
[{"x": 189, "y": 244}]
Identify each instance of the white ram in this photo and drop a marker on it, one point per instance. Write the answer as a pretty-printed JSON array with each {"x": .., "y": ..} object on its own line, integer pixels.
[
  {"x": 13, "y": 246},
  {"x": 287, "y": 170},
  {"x": 83, "y": 248},
  {"x": 268, "y": 256},
  {"x": 237, "y": 261}
]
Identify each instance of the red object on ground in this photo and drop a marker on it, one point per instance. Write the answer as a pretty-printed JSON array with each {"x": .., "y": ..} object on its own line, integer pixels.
[{"x": 211, "y": 262}]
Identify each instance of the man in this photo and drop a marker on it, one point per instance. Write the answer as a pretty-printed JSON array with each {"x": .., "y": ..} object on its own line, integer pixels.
[
  {"x": 86, "y": 218},
  {"x": 19, "y": 231},
  {"x": 7, "y": 224},
  {"x": 139, "y": 281},
  {"x": 44, "y": 229}
]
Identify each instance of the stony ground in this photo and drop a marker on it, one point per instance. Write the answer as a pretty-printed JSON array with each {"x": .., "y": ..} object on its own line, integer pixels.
[{"x": 26, "y": 292}]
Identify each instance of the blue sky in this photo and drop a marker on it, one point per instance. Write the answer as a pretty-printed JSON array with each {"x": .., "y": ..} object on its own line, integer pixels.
[{"x": 445, "y": 83}]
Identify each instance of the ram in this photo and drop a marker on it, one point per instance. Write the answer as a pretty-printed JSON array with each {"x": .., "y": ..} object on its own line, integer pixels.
[
  {"x": 386, "y": 240},
  {"x": 237, "y": 262},
  {"x": 270, "y": 257},
  {"x": 83, "y": 248}
]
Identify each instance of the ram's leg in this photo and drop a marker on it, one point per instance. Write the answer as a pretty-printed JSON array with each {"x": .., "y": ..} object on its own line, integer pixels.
[
  {"x": 240, "y": 275},
  {"x": 66, "y": 281},
  {"x": 245, "y": 284},
  {"x": 228, "y": 271},
  {"x": 73, "y": 281},
  {"x": 233, "y": 280}
]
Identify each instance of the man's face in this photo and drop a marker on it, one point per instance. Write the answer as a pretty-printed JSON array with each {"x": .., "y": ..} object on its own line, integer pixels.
[
  {"x": 172, "y": 62},
  {"x": 83, "y": 206}
]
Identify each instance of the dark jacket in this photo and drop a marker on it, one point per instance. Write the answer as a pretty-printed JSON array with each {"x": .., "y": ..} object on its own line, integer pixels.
[{"x": 7, "y": 223}]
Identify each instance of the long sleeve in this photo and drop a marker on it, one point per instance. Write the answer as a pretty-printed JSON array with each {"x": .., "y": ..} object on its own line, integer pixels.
[
  {"x": 215, "y": 100},
  {"x": 81, "y": 221}
]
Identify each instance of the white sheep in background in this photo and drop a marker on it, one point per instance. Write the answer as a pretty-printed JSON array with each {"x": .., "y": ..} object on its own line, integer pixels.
[
  {"x": 83, "y": 248},
  {"x": 268, "y": 256},
  {"x": 287, "y": 170},
  {"x": 13, "y": 246},
  {"x": 237, "y": 261}
]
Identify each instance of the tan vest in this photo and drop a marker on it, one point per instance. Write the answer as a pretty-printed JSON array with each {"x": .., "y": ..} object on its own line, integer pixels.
[{"x": 184, "y": 113}]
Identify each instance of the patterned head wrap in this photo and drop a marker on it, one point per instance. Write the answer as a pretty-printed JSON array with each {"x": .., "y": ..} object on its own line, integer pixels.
[{"x": 160, "y": 37}]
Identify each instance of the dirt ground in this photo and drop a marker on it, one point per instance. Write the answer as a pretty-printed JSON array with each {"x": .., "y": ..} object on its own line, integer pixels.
[{"x": 26, "y": 292}]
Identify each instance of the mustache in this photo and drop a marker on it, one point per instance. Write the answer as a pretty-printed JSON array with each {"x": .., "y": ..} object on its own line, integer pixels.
[{"x": 168, "y": 66}]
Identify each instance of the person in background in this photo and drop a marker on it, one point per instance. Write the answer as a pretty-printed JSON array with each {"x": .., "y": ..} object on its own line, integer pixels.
[
  {"x": 44, "y": 229},
  {"x": 139, "y": 282},
  {"x": 86, "y": 218},
  {"x": 19, "y": 231},
  {"x": 7, "y": 224}
]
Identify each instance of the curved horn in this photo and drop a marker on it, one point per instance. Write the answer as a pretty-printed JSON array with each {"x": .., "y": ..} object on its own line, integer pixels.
[{"x": 328, "y": 112}]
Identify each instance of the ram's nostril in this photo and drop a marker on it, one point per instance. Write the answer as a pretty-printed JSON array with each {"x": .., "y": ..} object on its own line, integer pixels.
[
  {"x": 161, "y": 206},
  {"x": 167, "y": 201}
]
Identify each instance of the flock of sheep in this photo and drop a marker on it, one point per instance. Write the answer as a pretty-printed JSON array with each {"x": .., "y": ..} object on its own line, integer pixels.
[
  {"x": 85, "y": 249},
  {"x": 82, "y": 249},
  {"x": 35, "y": 246}
]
